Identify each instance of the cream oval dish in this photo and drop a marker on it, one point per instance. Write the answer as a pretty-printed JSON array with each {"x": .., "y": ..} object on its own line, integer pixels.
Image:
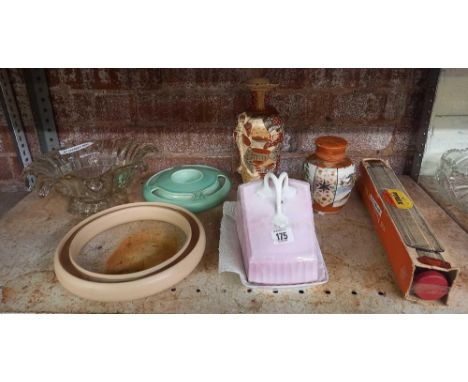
[
  {"x": 145, "y": 286},
  {"x": 98, "y": 266}
]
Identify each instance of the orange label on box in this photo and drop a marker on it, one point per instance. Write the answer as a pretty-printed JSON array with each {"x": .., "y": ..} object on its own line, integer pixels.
[{"x": 398, "y": 198}]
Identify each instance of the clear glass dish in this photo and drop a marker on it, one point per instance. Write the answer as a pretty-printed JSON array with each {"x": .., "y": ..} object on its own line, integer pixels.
[
  {"x": 95, "y": 175},
  {"x": 452, "y": 176}
]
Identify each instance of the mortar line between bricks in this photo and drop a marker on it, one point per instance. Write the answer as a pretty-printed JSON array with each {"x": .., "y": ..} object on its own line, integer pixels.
[
  {"x": 174, "y": 155},
  {"x": 294, "y": 124},
  {"x": 230, "y": 91},
  {"x": 341, "y": 91},
  {"x": 284, "y": 154},
  {"x": 167, "y": 91}
]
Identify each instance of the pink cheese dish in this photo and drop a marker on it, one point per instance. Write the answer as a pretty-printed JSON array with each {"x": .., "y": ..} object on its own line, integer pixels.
[{"x": 289, "y": 262}]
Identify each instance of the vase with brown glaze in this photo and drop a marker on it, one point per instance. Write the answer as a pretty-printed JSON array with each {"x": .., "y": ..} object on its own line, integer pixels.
[
  {"x": 330, "y": 173},
  {"x": 259, "y": 134}
]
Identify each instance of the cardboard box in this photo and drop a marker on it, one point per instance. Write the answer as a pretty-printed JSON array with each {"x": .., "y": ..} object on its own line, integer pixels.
[{"x": 403, "y": 259}]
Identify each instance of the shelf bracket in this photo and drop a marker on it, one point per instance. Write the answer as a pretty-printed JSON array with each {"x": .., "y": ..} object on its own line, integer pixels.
[
  {"x": 41, "y": 106},
  {"x": 421, "y": 135},
  {"x": 15, "y": 123}
]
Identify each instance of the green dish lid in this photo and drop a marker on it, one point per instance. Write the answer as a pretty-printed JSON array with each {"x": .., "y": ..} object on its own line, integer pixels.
[{"x": 195, "y": 187}]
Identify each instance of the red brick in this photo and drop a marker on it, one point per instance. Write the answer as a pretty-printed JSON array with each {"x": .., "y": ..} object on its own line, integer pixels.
[
  {"x": 332, "y": 78},
  {"x": 305, "y": 109},
  {"x": 109, "y": 79},
  {"x": 111, "y": 107},
  {"x": 193, "y": 111},
  {"x": 81, "y": 107},
  {"x": 318, "y": 78},
  {"x": 153, "y": 109},
  {"x": 16, "y": 167},
  {"x": 404, "y": 139},
  {"x": 292, "y": 106},
  {"x": 377, "y": 78},
  {"x": 286, "y": 78},
  {"x": 112, "y": 131},
  {"x": 204, "y": 109},
  {"x": 242, "y": 101},
  {"x": 197, "y": 139},
  {"x": 6, "y": 141},
  {"x": 197, "y": 108},
  {"x": 374, "y": 78},
  {"x": 149, "y": 134},
  {"x": 359, "y": 106},
  {"x": 208, "y": 77},
  {"x": 178, "y": 76},
  {"x": 97, "y": 79},
  {"x": 53, "y": 77},
  {"x": 345, "y": 78},
  {"x": 175, "y": 139},
  {"x": 62, "y": 107},
  {"x": 5, "y": 169},
  {"x": 366, "y": 139},
  {"x": 215, "y": 141},
  {"x": 288, "y": 105},
  {"x": 73, "y": 108},
  {"x": 396, "y": 104},
  {"x": 74, "y": 78},
  {"x": 145, "y": 78},
  {"x": 400, "y": 77},
  {"x": 216, "y": 77}
]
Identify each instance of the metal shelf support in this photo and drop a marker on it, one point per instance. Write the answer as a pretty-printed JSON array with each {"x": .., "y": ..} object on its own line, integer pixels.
[
  {"x": 15, "y": 123},
  {"x": 41, "y": 106},
  {"x": 421, "y": 135}
]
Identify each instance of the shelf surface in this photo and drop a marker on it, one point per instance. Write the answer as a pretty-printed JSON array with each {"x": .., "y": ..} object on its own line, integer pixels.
[{"x": 361, "y": 280}]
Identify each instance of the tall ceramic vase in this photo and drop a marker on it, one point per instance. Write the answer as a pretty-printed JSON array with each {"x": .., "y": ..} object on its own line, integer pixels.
[{"x": 259, "y": 134}]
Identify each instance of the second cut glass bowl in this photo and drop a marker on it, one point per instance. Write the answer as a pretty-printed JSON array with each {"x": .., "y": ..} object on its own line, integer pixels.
[{"x": 452, "y": 176}]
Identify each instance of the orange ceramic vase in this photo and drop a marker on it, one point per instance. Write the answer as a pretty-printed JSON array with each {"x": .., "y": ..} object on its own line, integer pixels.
[{"x": 330, "y": 173}]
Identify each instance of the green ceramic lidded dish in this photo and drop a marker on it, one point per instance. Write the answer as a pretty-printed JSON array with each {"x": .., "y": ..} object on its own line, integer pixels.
[{"x": 194, "y": 187}]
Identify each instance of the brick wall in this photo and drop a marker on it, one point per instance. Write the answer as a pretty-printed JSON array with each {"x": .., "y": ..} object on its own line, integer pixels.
[{"x": 190, "y": 113}]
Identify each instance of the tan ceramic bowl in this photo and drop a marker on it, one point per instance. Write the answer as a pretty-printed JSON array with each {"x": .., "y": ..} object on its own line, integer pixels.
[
  {"x": 117, "y": 218},
  {"x": 148, "y": 285}
]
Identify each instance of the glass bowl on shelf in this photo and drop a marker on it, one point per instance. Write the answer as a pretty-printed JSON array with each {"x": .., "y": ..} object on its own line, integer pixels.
[
  {"x": 95, "y": 175},
  {"x": 452, "y": 177}
]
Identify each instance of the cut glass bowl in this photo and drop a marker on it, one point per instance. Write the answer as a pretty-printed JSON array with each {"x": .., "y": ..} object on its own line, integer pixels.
[{"x": 94, "y": 175}]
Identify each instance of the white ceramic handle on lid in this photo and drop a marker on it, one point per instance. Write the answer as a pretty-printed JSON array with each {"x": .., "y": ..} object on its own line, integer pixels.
[{"x": 282, "y": 188}]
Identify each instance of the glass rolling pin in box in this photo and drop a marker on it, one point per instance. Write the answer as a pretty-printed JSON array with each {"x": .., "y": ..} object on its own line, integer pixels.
[{"x": 418, "y": 260}]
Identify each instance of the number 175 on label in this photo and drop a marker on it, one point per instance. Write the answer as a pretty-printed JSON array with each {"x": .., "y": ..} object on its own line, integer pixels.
[{"x": 282, "y": 236}]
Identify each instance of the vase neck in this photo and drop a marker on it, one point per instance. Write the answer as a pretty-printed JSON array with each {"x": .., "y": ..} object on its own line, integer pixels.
[{"x": 259, "y": 88}]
